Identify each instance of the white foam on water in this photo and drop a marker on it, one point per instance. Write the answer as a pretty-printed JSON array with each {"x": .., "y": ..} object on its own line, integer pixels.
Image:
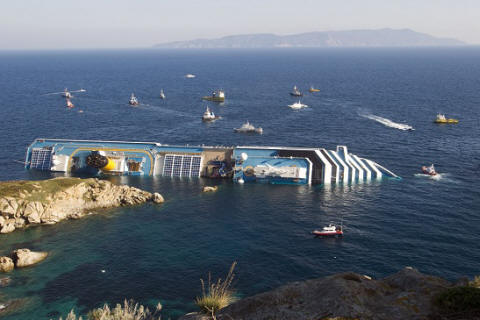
[
  {"x": 388, "y": 122},
  {"x": 437, "y": 177}
]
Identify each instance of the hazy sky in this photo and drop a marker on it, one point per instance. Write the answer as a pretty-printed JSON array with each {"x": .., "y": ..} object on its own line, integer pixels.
[{"x": 43, "y": 24}]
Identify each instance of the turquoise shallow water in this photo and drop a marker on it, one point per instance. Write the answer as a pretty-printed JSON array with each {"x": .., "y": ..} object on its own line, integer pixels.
[{"x": 159, "y": 253}]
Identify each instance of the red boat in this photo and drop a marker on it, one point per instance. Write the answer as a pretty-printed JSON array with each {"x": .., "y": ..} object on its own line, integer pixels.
[
  {"x": 330, "y": 231},
  {"x": 429, "y": 170}
]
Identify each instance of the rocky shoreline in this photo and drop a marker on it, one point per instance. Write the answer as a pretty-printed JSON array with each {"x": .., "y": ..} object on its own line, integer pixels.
[
  {"x": 407, "y": 294},
  {"x": 25, "y": 203}
]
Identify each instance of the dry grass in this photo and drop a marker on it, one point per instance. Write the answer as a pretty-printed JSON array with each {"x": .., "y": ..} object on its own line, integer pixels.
[
  {"x": 217, "y": 295},
  {"x": 475, "y": 282},
  {"x": 37, "y": 190},
  {"x": 128, "y": 311}
]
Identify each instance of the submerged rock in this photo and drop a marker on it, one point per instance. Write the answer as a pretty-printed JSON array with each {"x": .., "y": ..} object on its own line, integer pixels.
[
  {"x": 24, "y": 203},
  {"x": 25, "y": 257},
  {"x": 6, "y": 264}
]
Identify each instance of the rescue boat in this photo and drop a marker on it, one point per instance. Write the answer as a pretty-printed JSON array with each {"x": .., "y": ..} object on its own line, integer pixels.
[{"x": 330, "y": 231}]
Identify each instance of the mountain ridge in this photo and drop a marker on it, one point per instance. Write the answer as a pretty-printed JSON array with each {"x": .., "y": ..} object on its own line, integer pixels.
[{"x": 348, "y": 38}]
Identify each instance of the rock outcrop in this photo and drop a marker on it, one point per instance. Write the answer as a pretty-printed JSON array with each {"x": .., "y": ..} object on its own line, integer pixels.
[
  {"x": 210, "y": 189},
  {"x": 6, "y": 264},
  {"x": 407, "y": 294},
  {"x": 25, "y": 257},
  {"x": 24, "y": 203}
]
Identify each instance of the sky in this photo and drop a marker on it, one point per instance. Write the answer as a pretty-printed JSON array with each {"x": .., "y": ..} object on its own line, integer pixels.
[{"x": 83, "y": 24}]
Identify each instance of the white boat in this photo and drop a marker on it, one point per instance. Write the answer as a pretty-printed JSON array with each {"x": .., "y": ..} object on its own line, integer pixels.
[
  {"x": 190, "y": 76},
  {"x": 429, "y": 170},
  {"x": 66, "y": 93},
  {"x": 208, "y": 115},
  {"x": 248, "y": 128},
  {"x": 330, "y": 231},
  {"x": 298, "y": 105},
  {"x": 162, "y": 95},
  {"x": 295, "y": 92},
  {"x": 133, "y": 100},
  {"x": 69, "y": 104}
]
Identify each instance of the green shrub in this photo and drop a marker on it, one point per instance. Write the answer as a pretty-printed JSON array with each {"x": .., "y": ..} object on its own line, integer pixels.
[
  {"x": 217, "y": 295},
  {"x": 458, "y": 299}
]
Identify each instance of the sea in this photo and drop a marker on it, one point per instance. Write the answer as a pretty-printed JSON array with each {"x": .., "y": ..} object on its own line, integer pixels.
[{"x": 158, "y": 253}]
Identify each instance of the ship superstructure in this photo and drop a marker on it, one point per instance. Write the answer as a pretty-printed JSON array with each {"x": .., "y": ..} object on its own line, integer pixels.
[{"x": 276, "y": 165}]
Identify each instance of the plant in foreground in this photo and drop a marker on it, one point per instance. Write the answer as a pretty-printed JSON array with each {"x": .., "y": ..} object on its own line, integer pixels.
[
  {"x": 217, "y": 295},
  {"x": 129, "y": 311}
]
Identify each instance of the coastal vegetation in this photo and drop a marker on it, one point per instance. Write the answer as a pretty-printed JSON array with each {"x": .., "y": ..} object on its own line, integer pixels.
[
  {"x": 462, "y": 302},
  {"x": 217, "y": 295},
  {"x": 130, "y": 310}
]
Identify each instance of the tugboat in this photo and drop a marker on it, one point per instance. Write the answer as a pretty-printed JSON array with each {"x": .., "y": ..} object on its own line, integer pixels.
[
  {"x": 298, "y": 105},
  {"x": 217, "y": 96},
  {"x": 429, "y": 170},
  {"x": 312, "y": 89},
  {"x": 295, "y": 92},
  {"x": 248, "y": 128},
  {"x": 190, "y": 76},
  {"x": 66, "y": 94},
  {"x": 133, "y": 100},
  {"x": 162, "y": 95},
  {"x": 70, "y": 104},
  {"x": 330, "y": 231},
  {"x": 442, "y": 119},
  {"x": 209, "y": 115}
]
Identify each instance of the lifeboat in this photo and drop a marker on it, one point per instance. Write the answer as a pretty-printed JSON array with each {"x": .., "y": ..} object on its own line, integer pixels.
[
  {"x": 330, "y": 231},
  {"x": 312, "y": 89}
]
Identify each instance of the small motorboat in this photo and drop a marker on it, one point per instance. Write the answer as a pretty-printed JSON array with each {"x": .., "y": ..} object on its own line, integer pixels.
[
  {"x": 312, "y": 89},
  {"x": 66, "y": 94},
  {"x": 133, "y": 100},
  {"x": 297, "y": 105},
  {"x": 330, "y": 231},
  {"x": 442, "y": 119},
  {"x": 295, "y": 92},
  {"x": 429, "y": 170},
  {"x": 248, "y": 128},
  {"x": 162, "y": 94},
  {"x": 208, "y": 115},
  {"x": 217, "y": 96},
  {"x": 190, "y": 76},
  {"x": 70, "y": 105}
]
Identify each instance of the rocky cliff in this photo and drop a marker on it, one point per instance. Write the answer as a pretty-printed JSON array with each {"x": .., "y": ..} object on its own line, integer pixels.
[
  {"x": 24, "y": 203},
  {"x": 407, "y": 294}
]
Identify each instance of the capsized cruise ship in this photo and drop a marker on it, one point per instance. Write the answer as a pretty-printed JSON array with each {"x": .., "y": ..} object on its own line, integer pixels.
[{"x": 276, "y": 165}]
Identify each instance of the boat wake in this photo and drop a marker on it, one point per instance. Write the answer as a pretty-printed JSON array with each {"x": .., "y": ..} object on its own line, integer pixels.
[
  {"x": 62, "y": 92},
  {"x": 437, "y": 177},
  {"x": 388, "y": 122}
]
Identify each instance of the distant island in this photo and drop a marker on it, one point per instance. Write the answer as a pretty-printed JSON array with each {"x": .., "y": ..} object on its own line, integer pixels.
[{"x": 350, "y": 38}]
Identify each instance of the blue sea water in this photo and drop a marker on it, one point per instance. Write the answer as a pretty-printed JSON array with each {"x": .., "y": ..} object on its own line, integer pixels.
[{"x": 158, "y": 253}]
